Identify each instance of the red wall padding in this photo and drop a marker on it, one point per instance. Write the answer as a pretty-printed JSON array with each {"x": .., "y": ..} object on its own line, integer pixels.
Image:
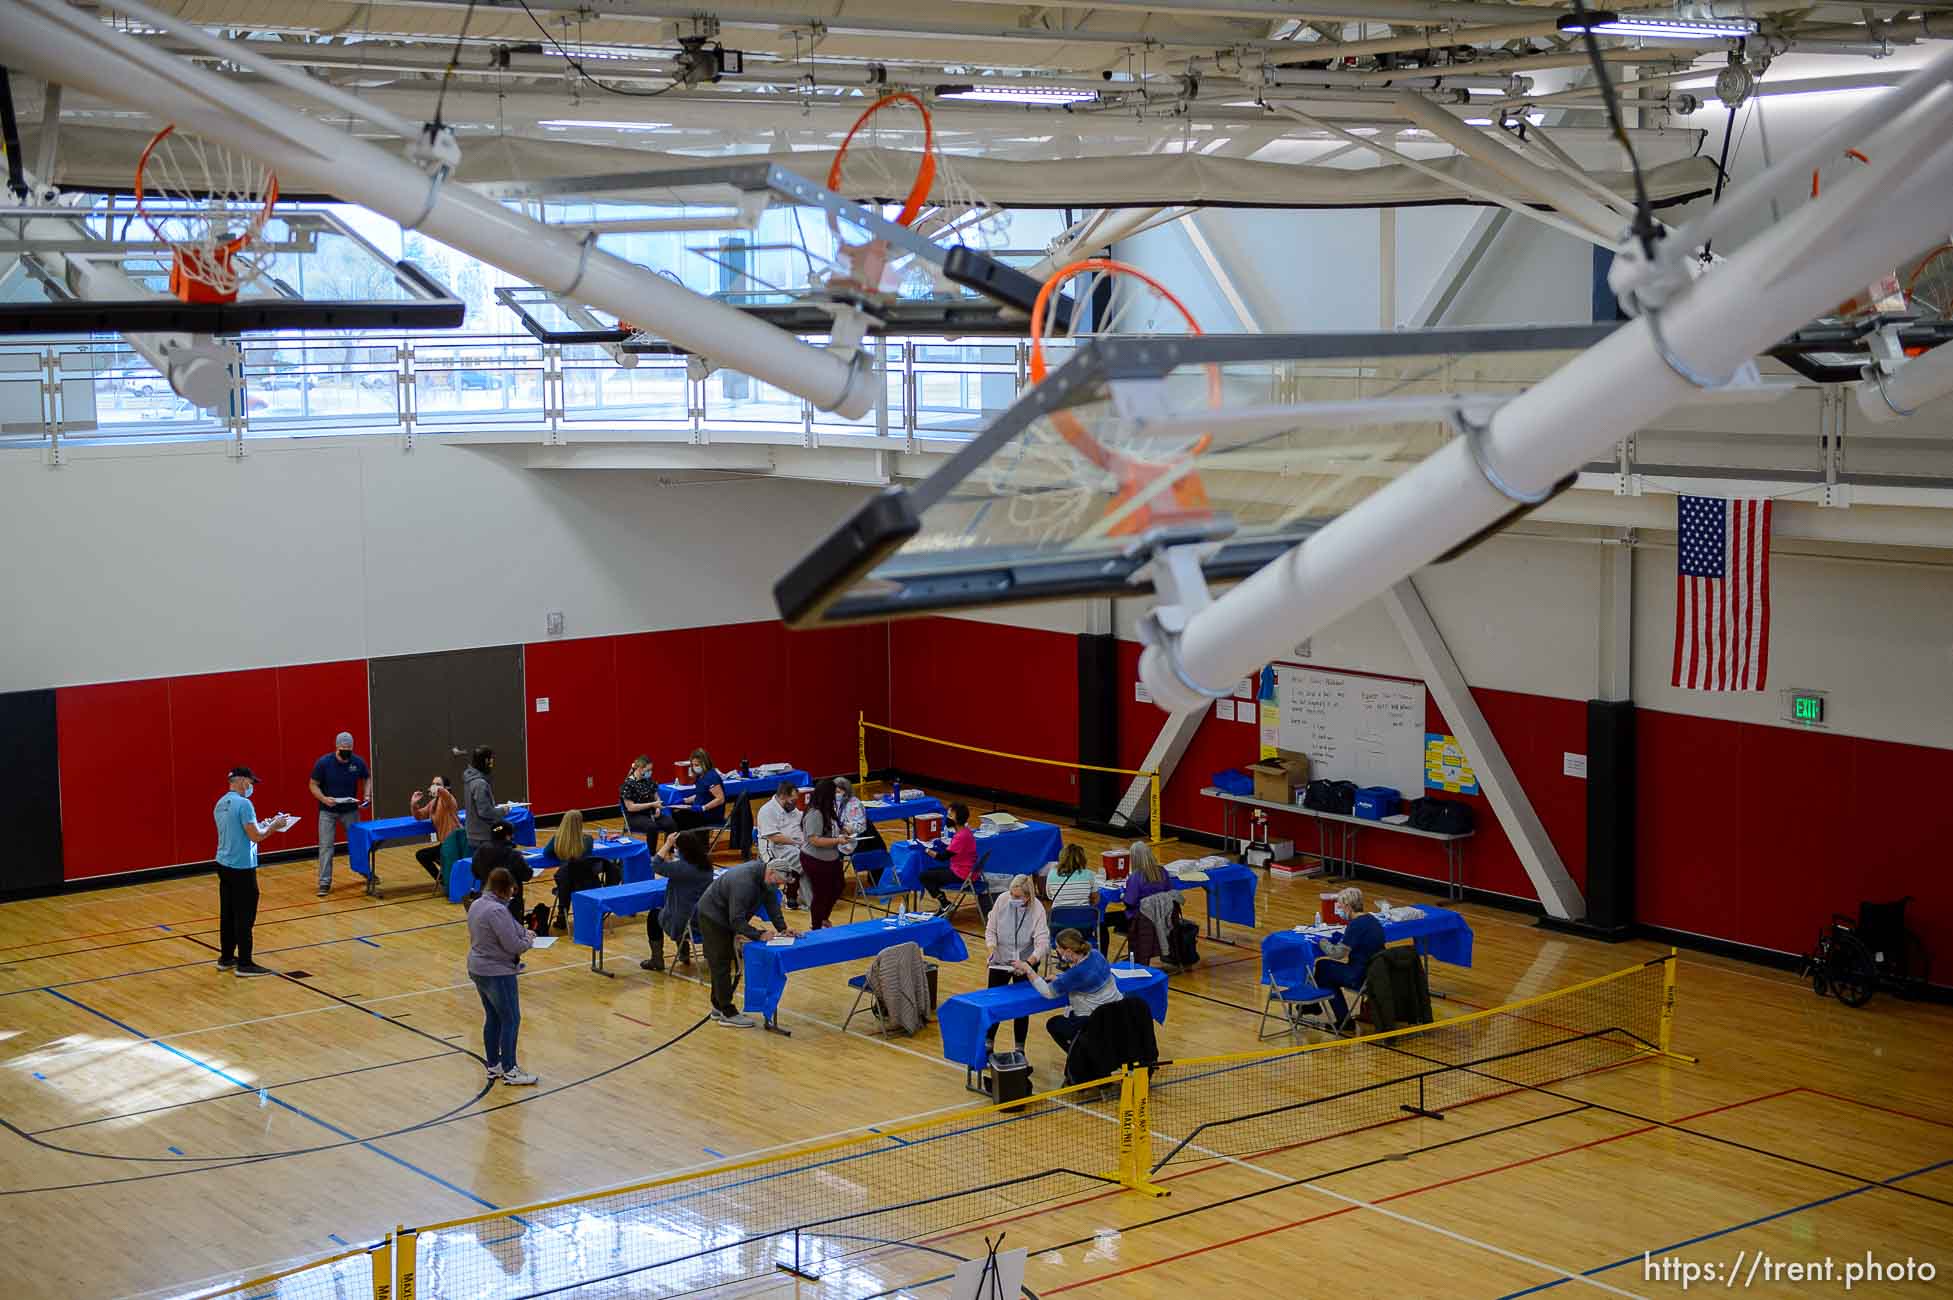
[
  {"x": 744, "y": 690},
  {"x": 985, "y": 684},
  {"x": 181, "y": 735},
  {"x": 1532, "y": 730},
  {"x": 1757, "y": 834}
]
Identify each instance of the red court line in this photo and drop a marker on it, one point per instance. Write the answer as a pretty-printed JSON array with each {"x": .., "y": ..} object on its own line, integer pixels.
[
  {"x": 1411, "y": 1191},
  {"x": 1872, "y": 1105},
  {"x": 634, "y": 1020}
]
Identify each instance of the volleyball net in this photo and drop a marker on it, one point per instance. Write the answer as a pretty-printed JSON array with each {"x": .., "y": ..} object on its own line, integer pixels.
[
  {"x": 992, "y": 772},
  {"x": 896, "y": 1202}
]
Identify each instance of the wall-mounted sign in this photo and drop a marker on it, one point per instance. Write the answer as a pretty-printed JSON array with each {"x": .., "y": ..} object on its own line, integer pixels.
[{"x": 1445, "y": 765}]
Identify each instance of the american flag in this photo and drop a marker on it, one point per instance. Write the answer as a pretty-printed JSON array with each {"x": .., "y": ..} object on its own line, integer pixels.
[{"x": 1722, "y": 595}]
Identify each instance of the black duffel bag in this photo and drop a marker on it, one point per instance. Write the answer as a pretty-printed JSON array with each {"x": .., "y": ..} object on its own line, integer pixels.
[
  {"x": 1445, "y": 816},
  {"x": 1330, "y": 796}
]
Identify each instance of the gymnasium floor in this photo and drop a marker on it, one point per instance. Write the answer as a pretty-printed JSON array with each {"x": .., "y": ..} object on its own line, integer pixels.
[{"x": 169, "y": 1128}]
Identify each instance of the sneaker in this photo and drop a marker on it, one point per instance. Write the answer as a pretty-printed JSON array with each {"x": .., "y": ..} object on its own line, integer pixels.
[
  {"x": 324, "y": 890},
  {"x": 494, "y": 1073},
  {"x": 735, "y": 1021},
  {"x": 252, "y": 968},
  {"x": 518, "y": 1078},
  {"x": 227, "y": 963}
]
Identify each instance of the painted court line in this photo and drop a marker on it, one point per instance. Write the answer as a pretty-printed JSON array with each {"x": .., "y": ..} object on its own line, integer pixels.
[{"x": 276, "y": 1101}]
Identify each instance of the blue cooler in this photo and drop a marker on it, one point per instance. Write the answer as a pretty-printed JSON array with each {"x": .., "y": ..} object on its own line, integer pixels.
[
  {"x": 1376, "y": 802},
  {"x": 1233, "y": 780}
]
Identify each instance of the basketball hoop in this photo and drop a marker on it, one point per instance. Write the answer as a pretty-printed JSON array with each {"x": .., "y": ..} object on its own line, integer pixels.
[
  {"x": 873, "y": 164},
  {"x": 210, "y": 206},
  {"x": 1145, "y": 491}
]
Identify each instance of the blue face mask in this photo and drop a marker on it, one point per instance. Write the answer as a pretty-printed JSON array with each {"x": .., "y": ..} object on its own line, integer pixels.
[{"x": 250, "y": 790}]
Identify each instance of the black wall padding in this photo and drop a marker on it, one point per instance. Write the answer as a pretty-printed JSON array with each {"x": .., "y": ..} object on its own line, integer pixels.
[
  {"x": 30, "y": 792},
  {"x": 1610, "y": 813},
  {"x": 1098, "y": 726}
]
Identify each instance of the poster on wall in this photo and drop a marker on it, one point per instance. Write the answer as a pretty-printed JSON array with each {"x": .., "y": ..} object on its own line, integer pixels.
[
  {"x": 1445, "y": 765},
  {"x": 1270, "y": 714}
]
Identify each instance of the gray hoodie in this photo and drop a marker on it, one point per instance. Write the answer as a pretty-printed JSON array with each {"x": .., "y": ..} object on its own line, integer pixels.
[{"x": 478, "y": 801}]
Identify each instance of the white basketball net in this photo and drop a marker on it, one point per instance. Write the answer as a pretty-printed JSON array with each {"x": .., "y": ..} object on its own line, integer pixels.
[{"x": 210, "y": 206}]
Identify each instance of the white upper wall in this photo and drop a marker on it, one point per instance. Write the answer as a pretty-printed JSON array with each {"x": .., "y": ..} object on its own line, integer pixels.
[{"x": 152, "y": 561}]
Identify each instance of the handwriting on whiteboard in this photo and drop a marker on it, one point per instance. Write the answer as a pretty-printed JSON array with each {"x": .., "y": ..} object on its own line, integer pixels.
[{"x": 1354, "y": 728}]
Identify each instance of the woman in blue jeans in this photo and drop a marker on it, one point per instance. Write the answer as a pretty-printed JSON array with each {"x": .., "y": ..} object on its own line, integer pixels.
[{"x": 496, "y": 942}]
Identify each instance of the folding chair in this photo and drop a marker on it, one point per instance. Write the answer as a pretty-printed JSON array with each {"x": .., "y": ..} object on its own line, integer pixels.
[
  {"x": 972, "y": 888},
  {"x": 1085, "y": 920},
  {"x": 1295, "y": 1000},
  {"x": 886, "y": 886},
  {"x": 860, "y": 986}
]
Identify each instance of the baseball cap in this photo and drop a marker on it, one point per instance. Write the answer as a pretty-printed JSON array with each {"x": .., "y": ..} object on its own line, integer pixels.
[
  {"x": 344, "y": 740},
  {"x": 244, "y": 772}
]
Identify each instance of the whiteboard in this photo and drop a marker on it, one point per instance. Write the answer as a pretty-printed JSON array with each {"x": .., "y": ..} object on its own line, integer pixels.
[{"x": 1369, "y": 730}]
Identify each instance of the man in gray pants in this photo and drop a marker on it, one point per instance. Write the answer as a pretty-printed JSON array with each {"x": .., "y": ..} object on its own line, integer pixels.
[{"x": 339, "y": 782}]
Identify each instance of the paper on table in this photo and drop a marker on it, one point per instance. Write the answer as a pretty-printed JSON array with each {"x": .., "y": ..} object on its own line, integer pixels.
[
  {"x": 544, "y": 941},
  {"x": 1121, "y": 972},
  {"x": 780, "y": 941},
  {"x": 1197, "y": 877}
]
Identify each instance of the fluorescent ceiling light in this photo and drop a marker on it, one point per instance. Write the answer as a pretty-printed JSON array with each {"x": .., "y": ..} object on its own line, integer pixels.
[
  {"x": 1605, "y": 22},
  {"x": 1019, "y": 94},
  {"x": 566, "y": 123}
]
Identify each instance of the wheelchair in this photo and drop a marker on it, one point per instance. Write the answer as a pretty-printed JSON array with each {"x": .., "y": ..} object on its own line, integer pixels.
[{"x": 1857, "y": 956}]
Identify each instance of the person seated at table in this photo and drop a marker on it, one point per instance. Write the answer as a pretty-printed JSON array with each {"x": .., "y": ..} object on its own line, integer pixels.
[
  {"x": 822, "y": 836},
  {"x": 500, "y": 851},
  {"x": 1070, "y": 881},
  {"x": 959, "y": 859},
  {"x": 686, "y": 864},
  {"x": 1362, "y": 934},
  {"x": 706, "y": 805},
  {"x": 726, "y": 910},
  {"x": 638, "y": 797},
  {"x": 1146, "y": 876},
  {"x": 478, "y": 797},
  {"x": 435, "y": 805},
  {"x": 577, "y": 866},
  {"x": 1017, "y": 932},
  {"x": 1085, "y": 981}
]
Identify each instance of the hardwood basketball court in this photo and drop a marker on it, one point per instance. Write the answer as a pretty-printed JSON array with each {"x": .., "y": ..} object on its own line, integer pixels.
[{"x": 170, "y": 1129}]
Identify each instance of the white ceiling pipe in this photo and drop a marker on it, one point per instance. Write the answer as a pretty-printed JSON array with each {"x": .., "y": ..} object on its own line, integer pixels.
[
  {"x": 63, "y": 44},
  {"x": 1544, "y": 185},
  {"x": 1391, "y": 11},
  {"x": 244, "y": 56},
  {"x": 1579, "y": 412},
  {"x": 1901, "y": 393},
  {"x": 1516, "y": 102}
]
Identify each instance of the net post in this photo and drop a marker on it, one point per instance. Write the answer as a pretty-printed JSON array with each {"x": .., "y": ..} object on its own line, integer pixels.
[
  {"x": 861, "y": 750},
  {"x": 1153, "y": 806},
  {"x": 381, "y": 1258},
  {"x": 1136, "y": 1134},
  {"x": 403, "y": 1262},
  {"x": 1668, "y": 1002}
]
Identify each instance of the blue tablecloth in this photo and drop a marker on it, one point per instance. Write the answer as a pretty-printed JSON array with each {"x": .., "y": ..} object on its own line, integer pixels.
[
  {"x": 364, "y": 837},
  {"x": 589, "y": 907},
  {"x": 1230, "y": 890},
  {"x": 906, "y": 810},
  {"x": 737, "y": 787},
  {"x": 1288, "y": 959},
  {"x": 767, "y": 967},
  {"x": 633, "y": 854},
  {"x": 1011, "y": 853},
  {"x": 966, "y": 1018}
]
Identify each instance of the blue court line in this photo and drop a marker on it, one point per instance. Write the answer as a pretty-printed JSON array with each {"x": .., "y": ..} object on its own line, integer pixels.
[
  {"x": 900, "y": 1142},
  {"x": 363, "y": 939},
  {"x": 40, "y": 1076},
  {"x": 165, "y": 927},
  {"x": 264, "y": 1095},
  {"x": 1736, "y": 1227},
  {"x": 176, "y": 1151},
  {"x": 716, "y": 1155},
  {"x": 333, "y": 1236}
]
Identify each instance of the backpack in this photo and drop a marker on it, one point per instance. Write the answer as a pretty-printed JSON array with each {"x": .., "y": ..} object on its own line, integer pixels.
[
  {"x": 1445, "y": 816},
  {"x": 537, "y": 921},
  {"x": 1183, "y": 944}
]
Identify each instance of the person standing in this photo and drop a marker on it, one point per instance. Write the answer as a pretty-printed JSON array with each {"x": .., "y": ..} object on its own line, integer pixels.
[
  {"x": 1017, "y": 931},
  {"x": 239, "y": 832},
  {"x": 726, "y": 909},
  {"x": 478, "y": 799},
  {"x": 495, "y": 947},
  {"x": 822, "y": 836},
  {"x": 436, "y": 805},
  {"x": 339, "y": 785}
]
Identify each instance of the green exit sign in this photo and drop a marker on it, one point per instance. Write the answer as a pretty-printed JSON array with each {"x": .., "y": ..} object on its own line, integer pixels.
[{"x": 1805, "y": 707}]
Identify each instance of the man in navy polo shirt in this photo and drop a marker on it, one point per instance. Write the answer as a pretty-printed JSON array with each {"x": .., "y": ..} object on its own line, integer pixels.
[{"x": 339, "y": 785}]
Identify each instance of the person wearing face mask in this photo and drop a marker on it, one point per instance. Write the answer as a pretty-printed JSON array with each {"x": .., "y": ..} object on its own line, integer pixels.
[
  {"x": 706, "y": 805},
  {"x": 1017, "y": 933},
  {"x": 638, "y": 797},
  {"x": 436, "y": 806},
  {"x": 339, "y": 786},
  {"x": 779, "y": 825},
  {"x": 1084, "y": 980},
  {"x": 478, "y": 799},
  {"x": 1362, "y": 934},
  {"x": 239, "y": 832}
]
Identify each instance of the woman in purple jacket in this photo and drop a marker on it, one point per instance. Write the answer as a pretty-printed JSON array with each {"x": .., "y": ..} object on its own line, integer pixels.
[{"x": 496, "y": 942}]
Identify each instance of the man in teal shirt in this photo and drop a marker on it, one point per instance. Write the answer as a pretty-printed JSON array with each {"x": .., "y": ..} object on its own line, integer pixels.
[{"x": 238, "y": 834}]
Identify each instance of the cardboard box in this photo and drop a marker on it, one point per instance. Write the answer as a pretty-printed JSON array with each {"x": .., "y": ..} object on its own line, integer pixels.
[{"x": 1277, "y": 779}]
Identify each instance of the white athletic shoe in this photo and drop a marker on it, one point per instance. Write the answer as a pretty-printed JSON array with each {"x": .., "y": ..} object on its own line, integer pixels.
[
  {"x": 518, "y": 1078},
  {"x": 736, "y": 1021},
  {"x": 494, "y": 1073}
]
